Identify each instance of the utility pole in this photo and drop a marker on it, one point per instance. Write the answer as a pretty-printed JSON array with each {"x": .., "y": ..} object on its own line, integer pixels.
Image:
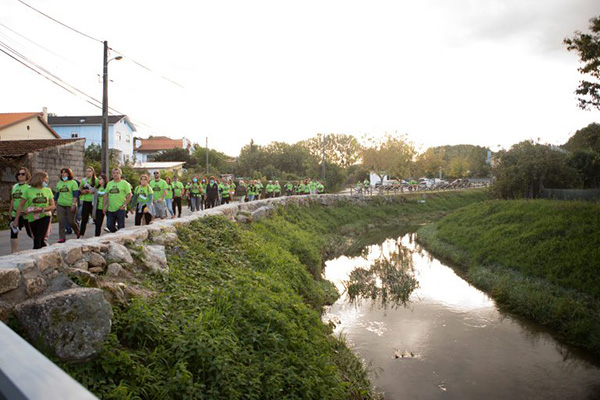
[
  {"x": 207, "y": 156},
  {"x": 105, "y": 155},
  {"x": 105, "y": 152},
  {"x": 323, "y": 167}
]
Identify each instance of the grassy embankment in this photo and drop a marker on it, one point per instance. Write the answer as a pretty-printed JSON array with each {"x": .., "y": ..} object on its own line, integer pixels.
[
  {"x": 238, "y": 316},
  {"x": 539, "y": 259}
]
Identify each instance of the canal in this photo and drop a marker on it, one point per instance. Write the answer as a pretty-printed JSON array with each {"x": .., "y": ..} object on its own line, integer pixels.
[{"x": 446, "y": 339}]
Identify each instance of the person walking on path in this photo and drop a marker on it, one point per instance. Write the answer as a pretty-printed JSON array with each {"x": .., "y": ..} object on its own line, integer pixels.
[
  {"x": 98, "y": 204},
  {"x": 116, "y": 199},
  {"x": 195, "y": 191},
  {"x": 67, "y": 197},
  {"x": 37, "y": 205},
  {"x": 177, "y": 195},
  {"x": 18, "y": 191},
  {"x": 212, "y": 192},
  {"x": 159, "y": 186},
  {"x": 141, "y": 203},
  {"x": 87, "y": 191},
  {"x": 169, "y": 197}
]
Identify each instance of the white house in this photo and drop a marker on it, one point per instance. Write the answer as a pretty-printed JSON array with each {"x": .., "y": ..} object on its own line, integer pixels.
[{"x": 120, "y": 131}]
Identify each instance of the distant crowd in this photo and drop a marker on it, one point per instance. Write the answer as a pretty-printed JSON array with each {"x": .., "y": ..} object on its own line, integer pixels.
[{"x": 95, "y": 197}]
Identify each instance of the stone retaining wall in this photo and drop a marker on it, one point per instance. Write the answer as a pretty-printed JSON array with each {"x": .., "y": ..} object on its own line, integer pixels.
[{"x": 41, "y": 286}]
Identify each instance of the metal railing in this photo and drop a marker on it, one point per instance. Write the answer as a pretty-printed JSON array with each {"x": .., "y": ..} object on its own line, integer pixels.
[{"x": 26, "y": 374}]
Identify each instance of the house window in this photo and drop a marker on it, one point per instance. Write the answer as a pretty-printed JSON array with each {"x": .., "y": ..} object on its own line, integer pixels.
[
  {"x": 74, "y": 135},
  {"x": 128, "y": 138}
]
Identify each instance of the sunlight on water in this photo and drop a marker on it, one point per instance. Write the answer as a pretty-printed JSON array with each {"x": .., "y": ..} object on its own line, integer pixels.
[{"x": 450, "y": 340}]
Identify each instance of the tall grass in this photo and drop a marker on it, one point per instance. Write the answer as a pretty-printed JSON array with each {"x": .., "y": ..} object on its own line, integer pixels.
[
  {"x": 540, "y": 259},
  {"x": 238, "y": 315}
]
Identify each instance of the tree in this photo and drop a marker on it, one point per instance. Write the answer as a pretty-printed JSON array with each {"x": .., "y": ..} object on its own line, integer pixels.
[
  {"x": 340, "y": 149},
  {"x": 177, "y": 154},
  {"x": 584, "y": 146},
  {"x": 390, "y": 156},
  {"x": 522, "y": 171},
  {"x": 587, "y": 45}
]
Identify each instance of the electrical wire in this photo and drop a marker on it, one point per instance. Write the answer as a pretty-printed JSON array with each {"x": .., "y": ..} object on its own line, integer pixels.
[
  {"x": 58, "y": 22},
  {"x": 98, "y": 40}
]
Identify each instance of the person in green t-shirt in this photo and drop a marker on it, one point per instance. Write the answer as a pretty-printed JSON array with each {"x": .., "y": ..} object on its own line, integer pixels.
[
  {"x": 98, "y": 203},
  {"x": 178, "y": 190},
  {"x": 276, "y": 189},
  {"x": 116, "y": 199},
  {"x": 37, "y": 205},
  {"x": 195, "y": 191},
  {"x": 87, "y": 189},
  {"x": 142, "y": 201},
  {"x": 67, "y": 197},
  {"x": 169, "y": 197},
  {"x": 159, "y": 186},
  {"x": 224, "y": 189},
  {"x": 289, "y": 188},
  {"x": 269, "y": 189},
  {"x": 18, "y": 191}
]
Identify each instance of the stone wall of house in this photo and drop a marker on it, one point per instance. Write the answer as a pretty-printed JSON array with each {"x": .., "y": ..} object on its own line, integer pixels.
[
  {"x": 53, "y": 159},
  {"x": 43, "y": 288}
]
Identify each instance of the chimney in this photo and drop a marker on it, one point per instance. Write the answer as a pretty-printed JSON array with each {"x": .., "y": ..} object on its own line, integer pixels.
[{"x": 45, "y": 114}]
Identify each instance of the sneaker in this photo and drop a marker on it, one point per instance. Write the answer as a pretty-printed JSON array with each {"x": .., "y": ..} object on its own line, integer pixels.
[
  {"x": 106, "y": 230},
  {"x": 61, "y": 241}
]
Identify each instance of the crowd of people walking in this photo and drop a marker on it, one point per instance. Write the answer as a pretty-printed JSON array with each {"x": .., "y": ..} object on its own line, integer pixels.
[{"x": 96, "y": 197}]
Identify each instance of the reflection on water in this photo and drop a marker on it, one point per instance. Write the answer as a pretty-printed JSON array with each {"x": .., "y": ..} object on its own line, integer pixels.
[
  {"x": 452, "y": 342},
  {"x": 389, "y": 279}
]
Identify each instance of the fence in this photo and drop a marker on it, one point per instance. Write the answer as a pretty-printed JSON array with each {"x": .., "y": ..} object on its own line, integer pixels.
[{"x": 571, "y": 194}]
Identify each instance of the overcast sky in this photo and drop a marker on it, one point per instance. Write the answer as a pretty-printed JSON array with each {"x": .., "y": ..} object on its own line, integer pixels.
[{"x": 486, "y": 72}]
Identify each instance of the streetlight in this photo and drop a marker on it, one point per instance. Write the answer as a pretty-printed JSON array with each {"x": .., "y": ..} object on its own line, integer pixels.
[{"x": 105, "y": 155}]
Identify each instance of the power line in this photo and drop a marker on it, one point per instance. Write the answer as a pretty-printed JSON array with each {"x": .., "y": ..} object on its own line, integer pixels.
[
  {"x": 98, "y": 40},
  {"x": 58, "y": 22}
]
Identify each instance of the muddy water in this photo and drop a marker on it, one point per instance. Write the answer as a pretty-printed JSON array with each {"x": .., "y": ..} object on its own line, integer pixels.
[{"x": 452, "y": 342}]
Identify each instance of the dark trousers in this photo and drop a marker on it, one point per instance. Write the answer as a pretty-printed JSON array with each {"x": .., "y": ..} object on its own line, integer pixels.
[
  {"x": 86, "y": 211},
  {"x": 210, "y": 202},
  {"x": 99, "y": 221},
  {"x": 138, "y": 218},
  {"x": 39, "y": 228},
  {"x": 22, "y": 223},
  {"x": 177, "y": 206},
  {"x": 225, "y": 200},
  {"x": 117, "y": 217},
  {"x": 66, "y": 214}
]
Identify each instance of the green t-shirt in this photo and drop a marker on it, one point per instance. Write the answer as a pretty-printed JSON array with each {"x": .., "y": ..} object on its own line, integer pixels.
[
  {"x": 18, "y": 192},
  {"x": 195, "y": 189},
  {"x": 177, "y": 189},
  {"x": 88, "y": 196},
  {"x": 143, "y": 194},
  {"x": 35, "y": 197},
  {"x": 117, "y": 194},
  {"x": 159, "y": 188},
  {"x": 65, "y": 191},
  {"x": 169, "y": 194}
]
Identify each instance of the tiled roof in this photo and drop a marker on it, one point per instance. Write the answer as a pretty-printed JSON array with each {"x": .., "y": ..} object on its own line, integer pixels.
[
  {"x": 13, "y": 118},
  {"x": 17, "y": 148},
  {"x": 83, "y": 120},
  {"x": 9, "y": 119},
  {"x": 159, "y": 143}
]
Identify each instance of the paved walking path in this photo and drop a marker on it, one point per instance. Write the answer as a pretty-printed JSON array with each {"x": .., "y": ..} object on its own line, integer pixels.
[{"x": 26, "y": 243}]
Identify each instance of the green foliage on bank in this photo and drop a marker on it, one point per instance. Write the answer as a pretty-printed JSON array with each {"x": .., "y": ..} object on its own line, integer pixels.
[
  {"x": 540, "y": 259},
  {"x": 238, "y": 315}
]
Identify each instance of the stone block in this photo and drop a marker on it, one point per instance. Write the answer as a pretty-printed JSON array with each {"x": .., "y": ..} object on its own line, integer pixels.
[{"x": 9, "y": 279}]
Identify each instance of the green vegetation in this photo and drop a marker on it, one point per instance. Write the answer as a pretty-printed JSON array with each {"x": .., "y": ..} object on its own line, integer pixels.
[
  {"x": 238, "y": 315},
  {"x": 540, "y": 259}
]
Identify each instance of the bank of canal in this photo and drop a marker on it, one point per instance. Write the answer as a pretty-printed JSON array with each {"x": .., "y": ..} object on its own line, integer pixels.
[{"x": 451, "y": 341}]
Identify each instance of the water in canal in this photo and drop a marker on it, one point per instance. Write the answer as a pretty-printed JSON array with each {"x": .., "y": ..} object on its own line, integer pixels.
[{"x": 450, "y": 341}]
